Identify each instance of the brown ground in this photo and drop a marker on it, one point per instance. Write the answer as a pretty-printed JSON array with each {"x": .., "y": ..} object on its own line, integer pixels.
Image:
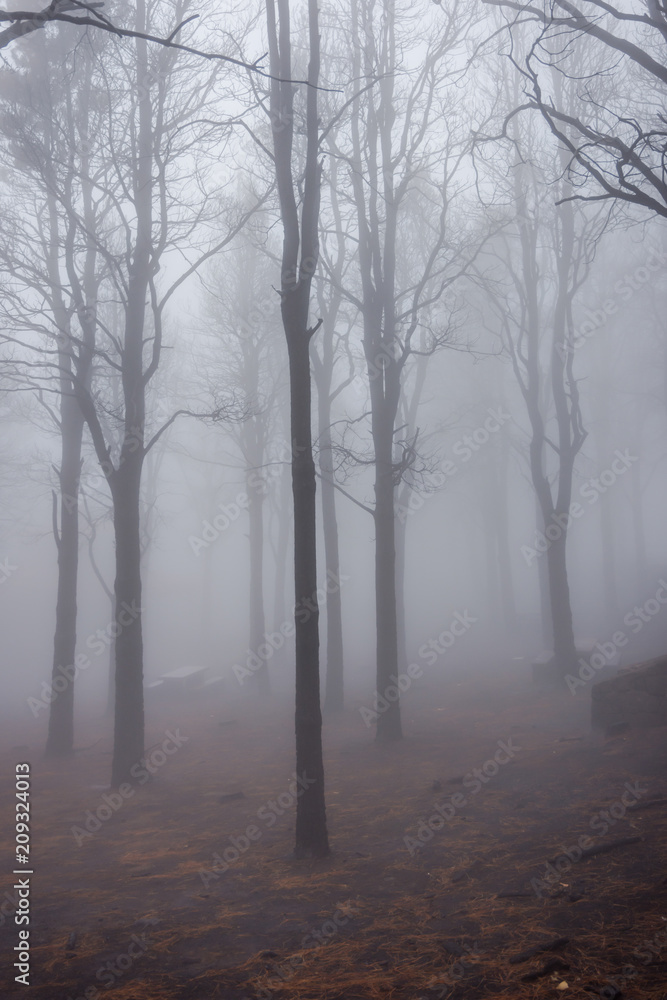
[{"x": 433, "y": 924}]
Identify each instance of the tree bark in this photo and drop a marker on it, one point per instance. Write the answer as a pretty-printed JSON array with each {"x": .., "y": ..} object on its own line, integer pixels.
[
  {"x": 389, "y": 719},
  {"x": 129, "y": 712},
  {"x": 299, "y": 260},
  {"x": 125, "y": 480},
  {"x": 257, "y": 624},
  {"x": 334, "y": 696},
  {"x": 60, "y": 738},
  {"x": 564, "y": 390},
  {"x": 282, "y": 546},
  {"x": 546, "y": 622},
  {"x": 639, "y": 531},
  {"x": 111, "y": 677},
  {"x": 603, "y": 436},
  {"x": 400, "y": 534},
  {"x": 311, "y": 831},
  {"x": 507, "y": 594}
]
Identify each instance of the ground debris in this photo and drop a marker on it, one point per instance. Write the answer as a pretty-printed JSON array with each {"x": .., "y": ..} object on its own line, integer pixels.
[
  {"x": 553, "y": 965},
  {"x": 231, "y": 797},
  {"x": 591, "y": 852},
  {"x": 552, "y": 945}
]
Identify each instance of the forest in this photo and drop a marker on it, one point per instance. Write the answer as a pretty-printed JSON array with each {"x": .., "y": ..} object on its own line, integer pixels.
[{"x": 333, "y": 561}]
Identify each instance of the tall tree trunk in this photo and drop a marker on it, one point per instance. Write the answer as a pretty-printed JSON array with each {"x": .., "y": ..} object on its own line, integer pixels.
[
  {"x": 612, "y": 610},
  {"x": 377, "y": 265},
  {"x": 490, "y": 534},
  {"x": 206, "y": 578},
  {"x": 334, "y": 699},
  {"x": 507, "y": 596},
  {"x": 611, "y": 606},
  {"x": 126, "y": 479},
  {"x": 111, "y": 677},
  {"x": 311, "y": 831},
  {"x": 129, "y": 715},
  {"x": 60, "y": 738},
  {"x": 299, "y": 260},
  {"x": 555, "y": 520},
  {"x": 571, "y": 434},
  {"x": 561, "y": 608},
  {"x": 546, "y": 621},
  {"x": 400, "y": 533},
  {"x": 564, "y": 389},
  {"x": 389, "y": 719},
  {"x": 639, "y": 531},
  {"x": 257, "y": 624},
  {"x": 282, "y": 546}
]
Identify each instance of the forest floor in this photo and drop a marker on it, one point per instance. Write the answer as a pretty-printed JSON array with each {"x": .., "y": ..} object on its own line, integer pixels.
[{"x": 136, "y": 909}]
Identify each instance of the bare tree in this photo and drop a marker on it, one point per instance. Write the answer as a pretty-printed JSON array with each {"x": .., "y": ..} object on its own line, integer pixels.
[
  {"x": 46, "y": 124},
  {"x": 332, "y": 348},
  {"x": 401, "y": 170},
  {"x": 546, "y": 253},
  {"x": 245, "y": 362},
  {"x": 613, "y": 127},
  {"x": 138, "y": 173},
  {"x": 299, "y": 261}
]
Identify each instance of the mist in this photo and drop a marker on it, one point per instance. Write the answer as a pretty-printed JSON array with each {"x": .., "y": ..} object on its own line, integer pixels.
[{"x": 333, "y": 559}]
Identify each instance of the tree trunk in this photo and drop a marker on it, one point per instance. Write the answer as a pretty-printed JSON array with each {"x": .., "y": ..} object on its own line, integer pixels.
[
  {"x": 639, "y": 531},
  {"x": 561, "y": 608},
  {"x": 546, "y": 620},
  {"x": 257, "y": 623},
  {"x": 129, "y": 715},
  {"x": 282, "y": 546},
  {"x": 389, "y": 717},
  {"x": 299, "y": 260},
  {"x": 334, "y": 700},
  {"x": 111, "y": 678},
  {"x": 490, "y": 534},
  {"x": 400, "y": 532},
  {"x": 60, "y": 738},
  {"x": 603, "y": 436},
  {"x": 507, "y": 596},
  {"x": 126, "y": 479},
  {"x": 311, "y": 831},
  {"x": 611, "y": 606},
  {"x": 205, "y": 639}
]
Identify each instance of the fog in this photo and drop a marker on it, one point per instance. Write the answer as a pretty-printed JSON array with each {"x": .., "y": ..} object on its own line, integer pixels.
[
  {"x": 334, "y": 378},
  {"x": 196, "y": 564}
]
